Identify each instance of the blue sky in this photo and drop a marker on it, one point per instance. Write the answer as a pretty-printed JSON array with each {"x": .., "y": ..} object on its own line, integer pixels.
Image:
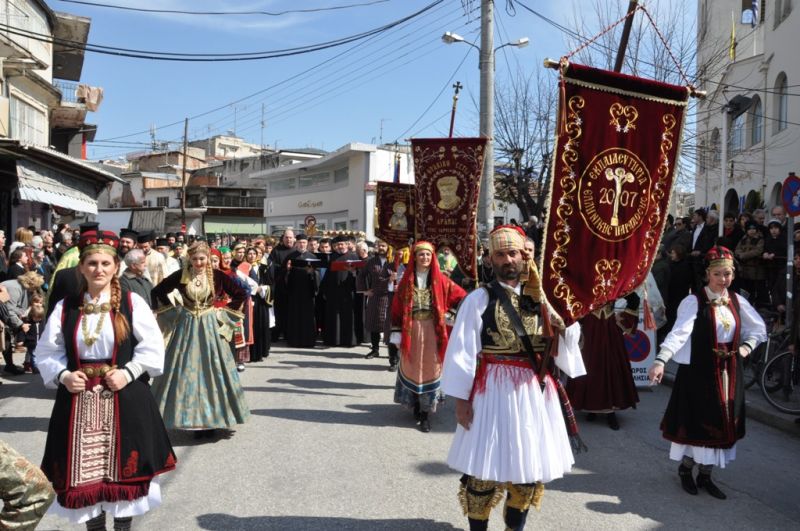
[{"x": 390, "y": 79}]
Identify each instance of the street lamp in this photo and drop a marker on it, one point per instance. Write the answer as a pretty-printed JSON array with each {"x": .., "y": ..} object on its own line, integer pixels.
[{"x": 486, "y": 65}]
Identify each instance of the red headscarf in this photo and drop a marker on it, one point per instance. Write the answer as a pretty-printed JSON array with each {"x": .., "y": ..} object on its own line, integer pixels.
[{"x": 445, "y": 294}]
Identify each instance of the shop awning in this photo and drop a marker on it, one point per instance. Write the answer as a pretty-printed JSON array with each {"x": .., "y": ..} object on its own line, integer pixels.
[
  {"x": 234, "y": 225},
  {"x": 37, "y": 184}
]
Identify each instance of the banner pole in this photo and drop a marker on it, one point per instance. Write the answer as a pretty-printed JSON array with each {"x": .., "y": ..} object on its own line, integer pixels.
[
  {"x": 626, "y": 32},
  {"x": 458, "y": 86}
]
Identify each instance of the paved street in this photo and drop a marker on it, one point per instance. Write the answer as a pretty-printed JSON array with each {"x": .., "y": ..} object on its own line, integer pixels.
[{"x": 326, "y": 449}]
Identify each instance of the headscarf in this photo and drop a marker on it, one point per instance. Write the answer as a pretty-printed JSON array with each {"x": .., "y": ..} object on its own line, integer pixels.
[{"x": 444, "y": 294}]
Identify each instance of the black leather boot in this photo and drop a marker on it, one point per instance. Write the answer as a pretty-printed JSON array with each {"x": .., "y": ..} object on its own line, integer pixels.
[
  {"x": 704, "y": 482},
  {"x": 687, "y": 481}
]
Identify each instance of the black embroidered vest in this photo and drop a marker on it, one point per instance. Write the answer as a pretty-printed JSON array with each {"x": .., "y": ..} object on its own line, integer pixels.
[{"x": 497, "y": 333}]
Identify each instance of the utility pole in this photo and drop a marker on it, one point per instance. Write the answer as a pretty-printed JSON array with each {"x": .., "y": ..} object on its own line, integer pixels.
[
  {"x": 486, "y": 63},
  {"x": 263, "y": 124},
  {"x": 183, "y": 177}
]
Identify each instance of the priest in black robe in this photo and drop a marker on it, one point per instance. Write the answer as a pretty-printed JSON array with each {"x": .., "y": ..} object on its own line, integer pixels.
[
  {"x": 301, "y": 286},
  {"x": 278, "y": 257},
  {"x": 339, "y": 288}
]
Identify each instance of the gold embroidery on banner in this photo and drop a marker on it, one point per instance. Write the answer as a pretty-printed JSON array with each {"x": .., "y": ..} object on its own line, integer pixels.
[
  {"x": 660, "y": 189},
  {"x": 565, "y": 208},
  {"x": 628, "y": 112},
  {"x": 605, "y": 186},
  {"x": 607, "y": 276},
  {"x": 629, "y": 93}
]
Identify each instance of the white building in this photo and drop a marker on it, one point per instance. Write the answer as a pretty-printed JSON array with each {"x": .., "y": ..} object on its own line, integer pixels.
[
  {"x": 763, "y": 131},
  {"x": 338, "y": 189}
]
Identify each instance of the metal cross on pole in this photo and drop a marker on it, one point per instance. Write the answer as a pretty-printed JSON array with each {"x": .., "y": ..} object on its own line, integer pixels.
[{"x": 458, "y": 86}]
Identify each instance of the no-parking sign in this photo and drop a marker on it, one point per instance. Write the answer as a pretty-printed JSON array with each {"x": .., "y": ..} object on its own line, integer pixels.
[
  {"x": 641, "y": 347},
  {"x": 791, "y": 195}
]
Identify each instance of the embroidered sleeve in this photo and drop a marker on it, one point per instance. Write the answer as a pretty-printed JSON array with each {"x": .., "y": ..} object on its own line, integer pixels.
[{"x": 461, "y": 358}]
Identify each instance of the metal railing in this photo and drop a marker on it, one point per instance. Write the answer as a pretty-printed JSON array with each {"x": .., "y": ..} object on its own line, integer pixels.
[{"x": 69, "y": 90}]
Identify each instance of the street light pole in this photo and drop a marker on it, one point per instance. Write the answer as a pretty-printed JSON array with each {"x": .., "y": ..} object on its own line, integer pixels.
[{"x": 486, "y": 64}]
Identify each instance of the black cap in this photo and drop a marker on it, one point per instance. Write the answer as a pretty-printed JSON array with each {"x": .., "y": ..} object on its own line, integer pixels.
[
  {"x": 128, "y": 233},
  {"x": 751, "y": 225},
  {"x": 88, "y": 225},
  {"x": 146, "y": 236},
  {"x": 301, "y": 236},
  {"x": 340, "y": 238},
  {"x": 162, "y": 242},
  {"x": 170, "y": 235}
]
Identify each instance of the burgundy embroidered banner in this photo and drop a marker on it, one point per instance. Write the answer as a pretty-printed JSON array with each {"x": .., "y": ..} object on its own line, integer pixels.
[
  {"x": 618, "y": 142},
  {"x": 394, "y": 203},
  {"x": 447, "y": 172}
]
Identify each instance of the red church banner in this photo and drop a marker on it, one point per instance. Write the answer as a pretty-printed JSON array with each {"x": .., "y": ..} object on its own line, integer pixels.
[
  {"x": 618, "y": 143},
  {"x": 395, "y": 213},
  {"x": 447, "y": 172}
]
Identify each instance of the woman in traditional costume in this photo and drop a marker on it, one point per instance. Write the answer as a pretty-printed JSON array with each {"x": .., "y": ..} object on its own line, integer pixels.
[
  {"x": 200, "y": 389},
  {"x": 714, "y": 331},
  {"x": 106, "y": 442},
  {"x": 607, "y": 386},
  {"x": 423, "y": 298}
]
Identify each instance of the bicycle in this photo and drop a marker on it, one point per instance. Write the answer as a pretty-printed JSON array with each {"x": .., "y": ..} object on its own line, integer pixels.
[
  {"x": 777, "y": 341},
  {"x": 780, "y": 382}
]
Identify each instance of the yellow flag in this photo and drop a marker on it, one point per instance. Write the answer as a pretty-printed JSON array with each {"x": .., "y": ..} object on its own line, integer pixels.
[{"x": 732, "y": 51}]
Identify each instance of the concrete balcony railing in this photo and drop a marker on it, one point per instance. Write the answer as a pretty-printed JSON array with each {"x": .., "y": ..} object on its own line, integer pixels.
[{"x": 69, "y": 91}]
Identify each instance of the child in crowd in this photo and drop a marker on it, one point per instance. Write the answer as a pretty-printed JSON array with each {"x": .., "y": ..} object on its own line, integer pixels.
[{"x": 35, "y": 318}]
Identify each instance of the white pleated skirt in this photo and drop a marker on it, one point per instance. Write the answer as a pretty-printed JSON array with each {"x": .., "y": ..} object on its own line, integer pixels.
[
  {"x": 703, "y": 455},
  {"x": 518, "y": 432},
  {"x": 122, "y": 509}
]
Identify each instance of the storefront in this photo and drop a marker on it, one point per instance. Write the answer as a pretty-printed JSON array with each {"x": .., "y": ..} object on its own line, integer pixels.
[{"x": 40, "y": 187}]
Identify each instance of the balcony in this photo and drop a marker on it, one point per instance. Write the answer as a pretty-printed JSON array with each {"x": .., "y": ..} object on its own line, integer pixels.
[
  {"x": 234, "y": 202},
  {"x": 76, "y": 100}
]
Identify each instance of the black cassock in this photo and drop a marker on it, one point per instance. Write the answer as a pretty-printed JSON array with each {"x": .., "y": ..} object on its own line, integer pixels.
[
  {"x": 262, "y": 335},
  {"x": 339, "y": 288},
  {"x": 278, "y": 257},
  {"x": 301, "y": 289}
]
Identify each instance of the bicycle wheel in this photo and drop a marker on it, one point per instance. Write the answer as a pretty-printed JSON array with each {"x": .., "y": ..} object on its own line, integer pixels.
[{"x": 779, "y": 383}]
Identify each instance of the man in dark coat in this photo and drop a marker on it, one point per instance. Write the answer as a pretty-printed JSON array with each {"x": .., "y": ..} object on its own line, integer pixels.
[
  {"x": 133, "y": 278},
  {"x": 703, "y": 239},
  {"x": 373, "y": 281},
  {"x": 339, "y": 288},
  {"x": 65, "y": 283},
  {"x": 278, "y": 257},
  {"x": 301, "y": 285}
]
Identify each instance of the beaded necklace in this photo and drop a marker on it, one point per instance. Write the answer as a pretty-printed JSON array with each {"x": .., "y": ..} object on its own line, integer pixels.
[{"x": 89, "y": 308}]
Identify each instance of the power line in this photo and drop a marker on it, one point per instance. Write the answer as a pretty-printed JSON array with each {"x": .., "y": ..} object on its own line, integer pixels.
[
  {"x": 266, "y": 13},
  {"x": 210, "y": 57}
]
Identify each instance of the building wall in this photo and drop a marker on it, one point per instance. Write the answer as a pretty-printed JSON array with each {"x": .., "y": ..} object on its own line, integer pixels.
[
  {"x": 762, "y": 55},
  {"x": 155, "y": 162}
]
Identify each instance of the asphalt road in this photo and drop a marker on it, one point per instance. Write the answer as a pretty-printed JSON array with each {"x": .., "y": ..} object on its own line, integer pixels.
[{"x": 326, "y": 449}]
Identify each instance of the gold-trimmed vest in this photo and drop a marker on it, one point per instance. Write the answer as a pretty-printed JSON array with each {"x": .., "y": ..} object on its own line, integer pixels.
[{"x": 497, "y": 333}]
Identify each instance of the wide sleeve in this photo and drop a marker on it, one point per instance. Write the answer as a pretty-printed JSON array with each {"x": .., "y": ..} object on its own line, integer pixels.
[
  {"x": 51, "y": 355},
  {"x": 455, "y": 294},
  {"x": 753, "y": 330},
  {"x": 148, "y": 355},
  {"x": 569, "y": 357},
  {"x": 461, "y": 357},
  {"x": 233, "y": 289},
  {"x": 165, "y": 287},
  {"x": 677, "y": 341}
]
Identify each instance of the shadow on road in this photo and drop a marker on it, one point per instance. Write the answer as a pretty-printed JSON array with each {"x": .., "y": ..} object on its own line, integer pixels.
[
  {"x": 333, "y": 365},
  {"x": 327, "y": 384},
  {"x": 290, "y": 391},
  {"x": 25, "y": 386},
  {"x": 26, "y": 424},
  {"x": 315, "y": 523},
  {"x": 436, "y": 468}
]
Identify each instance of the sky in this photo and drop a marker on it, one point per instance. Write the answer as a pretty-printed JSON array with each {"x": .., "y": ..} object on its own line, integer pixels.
[{"x": 385, "y": 88}]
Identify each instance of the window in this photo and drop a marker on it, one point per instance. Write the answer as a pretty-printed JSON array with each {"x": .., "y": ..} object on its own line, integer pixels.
[
  {"x": 756, "y": 122},
  {"x": 737, "y": 133},
  {"x": 28, "y": 123},
  {"x": 341, "y": 176},
  {"x": 339, "y": 225},
  {"x": 781, "y": 104},
  {"x": 162, "y": 201},
  {"x": 282, "y": 185},
  {"x": 782, "y": 10},
  {"x": 315, "y": 179}
]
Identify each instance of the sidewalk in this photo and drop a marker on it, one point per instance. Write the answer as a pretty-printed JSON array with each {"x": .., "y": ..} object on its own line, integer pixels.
[{"x": 756, "y": 405}]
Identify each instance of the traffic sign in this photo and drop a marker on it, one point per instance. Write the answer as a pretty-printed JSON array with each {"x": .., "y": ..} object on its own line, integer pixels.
[{"x": 791, "y": 195}]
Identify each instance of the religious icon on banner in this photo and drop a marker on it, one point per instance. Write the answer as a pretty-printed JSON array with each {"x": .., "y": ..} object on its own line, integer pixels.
[
  {"x": 448, "y": 174},
  {"x": 617, "y": 145},
  {"x": 394, "y": 213}
]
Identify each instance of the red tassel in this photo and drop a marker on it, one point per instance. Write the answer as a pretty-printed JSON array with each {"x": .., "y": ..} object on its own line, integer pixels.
[
  {"x": 649, "y": 320},
  {"x": 78, "y": 498}
]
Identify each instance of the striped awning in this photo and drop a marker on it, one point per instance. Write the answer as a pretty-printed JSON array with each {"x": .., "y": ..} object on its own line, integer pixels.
[{"x": 43, "y": 185}]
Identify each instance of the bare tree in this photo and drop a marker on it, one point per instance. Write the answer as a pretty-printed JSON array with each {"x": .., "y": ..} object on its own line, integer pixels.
[{"x": 524, "y": 133}]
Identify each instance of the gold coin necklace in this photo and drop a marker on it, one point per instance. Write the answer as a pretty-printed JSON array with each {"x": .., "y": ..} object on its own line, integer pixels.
[{"x": 91, "y": 339}]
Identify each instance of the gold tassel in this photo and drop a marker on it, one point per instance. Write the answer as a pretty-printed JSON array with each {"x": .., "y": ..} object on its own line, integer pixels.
[{"x": 538, "y": 495}]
